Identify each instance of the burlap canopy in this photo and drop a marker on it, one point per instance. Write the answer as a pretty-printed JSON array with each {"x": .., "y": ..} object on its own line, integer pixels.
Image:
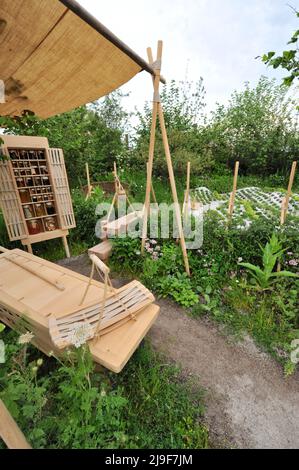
[{"x": 52, "y": 61}]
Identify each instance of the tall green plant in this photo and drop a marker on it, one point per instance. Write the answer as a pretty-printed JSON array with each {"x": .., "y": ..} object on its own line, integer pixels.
[{"x": 265, "y": 277}]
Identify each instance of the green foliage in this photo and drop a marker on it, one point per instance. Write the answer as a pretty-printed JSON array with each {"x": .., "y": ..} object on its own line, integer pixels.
[
  {"x": 126, "y": 254},
  {"x": 179, "y": 288},
  {"x": 183, "y": 105},
  {"x": 67, "y": 404},
  {"x": 289, "y": 60},
  {"x": 257, "y": 128},
  {"x": 264, "y": 278},
  {"x": 92, "y": 134}
]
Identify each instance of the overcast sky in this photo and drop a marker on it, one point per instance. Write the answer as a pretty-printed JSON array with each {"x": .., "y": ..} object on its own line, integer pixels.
[{"x": 215, "y": 39}]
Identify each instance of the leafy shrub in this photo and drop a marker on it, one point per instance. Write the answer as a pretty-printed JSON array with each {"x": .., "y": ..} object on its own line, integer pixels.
[
  {"x": 179, "y": 288},
  {"x": 67, "y": 404}
]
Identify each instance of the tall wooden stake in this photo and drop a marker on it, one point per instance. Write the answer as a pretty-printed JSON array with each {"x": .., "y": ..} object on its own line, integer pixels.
[
  {"x": 286, "y": 199},
  {"x": 89, "y": 187},
  {"x": 157, "y": 109},
  {"x": 187, "y": 192},
  {"x": 152, "y": 140},
  {"x": 233, "y": 193}
]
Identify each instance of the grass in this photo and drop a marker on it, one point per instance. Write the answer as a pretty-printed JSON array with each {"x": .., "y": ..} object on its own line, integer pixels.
[{"x": 149, "y": 405}]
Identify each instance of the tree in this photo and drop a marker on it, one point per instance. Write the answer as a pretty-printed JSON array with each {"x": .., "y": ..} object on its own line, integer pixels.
[
  {"x": 92, "y": 134},
  {"x": 289, "y": 60},
  {"x": 257, "y": 127},
  {"x": 183, "y": 105}
]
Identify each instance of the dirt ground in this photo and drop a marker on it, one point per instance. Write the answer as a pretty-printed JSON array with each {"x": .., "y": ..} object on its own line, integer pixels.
[{"x": 249, "y": 403}]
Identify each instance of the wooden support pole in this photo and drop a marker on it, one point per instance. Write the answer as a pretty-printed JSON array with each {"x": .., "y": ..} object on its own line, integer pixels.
[
  {"x": 187, "y": 192},
  {"x": 152, "y": 188},
  {"x": 9, "y": 430},
  {"x": 233, "y": 193},
  {"x": 66, "y": 246},
  {"x": 152, "y": 140},
  {"x": 115, "y": 177},
  {"x": 173, "y": 188},
  {"x": 89, "y": 187},
  {"x": 286, "y": 199}
]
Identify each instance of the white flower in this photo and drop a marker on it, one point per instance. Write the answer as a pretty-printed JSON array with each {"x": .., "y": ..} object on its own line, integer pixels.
[
  {"x": 80, "y": 333},
  {"x": 25, "y": 338},
  {"x": 240, "y": 259}
]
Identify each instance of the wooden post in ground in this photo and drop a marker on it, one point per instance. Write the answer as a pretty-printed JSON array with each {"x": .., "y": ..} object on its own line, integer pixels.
[
  {"x": 187, "y": 192},
  {"x": 286, "y": 199},
  {"x": 157, "y": 108},
  {"x": 89, "y": 187},
  {"x": 9, "y": 430},
  {"x": 152, "y": 190},
  {"x": 66, "y": 246},
  {"x": 285, "y": 202},
  {"x": 233, "y": 193},
  {"x": 152, "y": 140}
]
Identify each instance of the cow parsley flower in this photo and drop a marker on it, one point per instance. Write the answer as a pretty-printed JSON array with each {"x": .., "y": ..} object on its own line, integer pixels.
[
  {"x": 80, "y": 333},
  {"x": 25, "y": 338}
]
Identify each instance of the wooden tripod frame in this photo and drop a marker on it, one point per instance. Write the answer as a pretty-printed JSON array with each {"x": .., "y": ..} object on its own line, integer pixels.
[{"x": 158, "y": 110}]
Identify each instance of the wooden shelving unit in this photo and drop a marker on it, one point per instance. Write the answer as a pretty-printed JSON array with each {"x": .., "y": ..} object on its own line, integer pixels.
[{"x": 34, "y": 191}]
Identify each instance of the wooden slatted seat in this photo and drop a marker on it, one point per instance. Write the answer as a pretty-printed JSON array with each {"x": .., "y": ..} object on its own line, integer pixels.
[
  {"x": 124, "y": 303},
  {"x": 33, "y": 290}
]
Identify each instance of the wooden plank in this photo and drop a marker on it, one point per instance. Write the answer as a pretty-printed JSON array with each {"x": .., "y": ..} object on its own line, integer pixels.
[
  {"x": 37, "y": 273},
  {"x": 43, "y": 236},
  {"x": 24, "y": 141},
  {"x": 113, "y": 350},
  {"x": 102, "y": 250},
  {"x": 9, "y": 430}
]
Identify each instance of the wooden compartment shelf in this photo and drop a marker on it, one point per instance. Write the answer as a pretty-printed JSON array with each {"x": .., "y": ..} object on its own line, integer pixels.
[{"x": 33, "y": 180}]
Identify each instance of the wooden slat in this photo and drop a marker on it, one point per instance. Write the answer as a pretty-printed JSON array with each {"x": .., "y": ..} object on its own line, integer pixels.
[
  {"x": 9, "y": 430},
  {"x": 60, "y": 184},
  {"x": 10, "y": 201}
]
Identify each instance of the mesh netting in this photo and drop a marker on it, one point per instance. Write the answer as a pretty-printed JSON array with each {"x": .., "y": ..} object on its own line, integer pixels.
[{"x": 250, "y": 203}]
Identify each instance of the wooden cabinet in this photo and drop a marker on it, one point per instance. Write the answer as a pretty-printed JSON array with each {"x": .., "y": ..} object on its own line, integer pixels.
[{"x": 34, "y": 192}]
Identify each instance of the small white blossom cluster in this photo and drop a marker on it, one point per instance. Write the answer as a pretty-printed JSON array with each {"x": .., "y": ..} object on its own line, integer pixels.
[
  {"x": 81, "y": 332},
  {"x": 25, "y": 338},
  {"x": 293, "y": 261},
  {"x": 152, "y": 247}
]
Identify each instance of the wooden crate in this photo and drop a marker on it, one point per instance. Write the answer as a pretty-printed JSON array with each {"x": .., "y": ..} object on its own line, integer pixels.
[{"x": 34, "y": 192}]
